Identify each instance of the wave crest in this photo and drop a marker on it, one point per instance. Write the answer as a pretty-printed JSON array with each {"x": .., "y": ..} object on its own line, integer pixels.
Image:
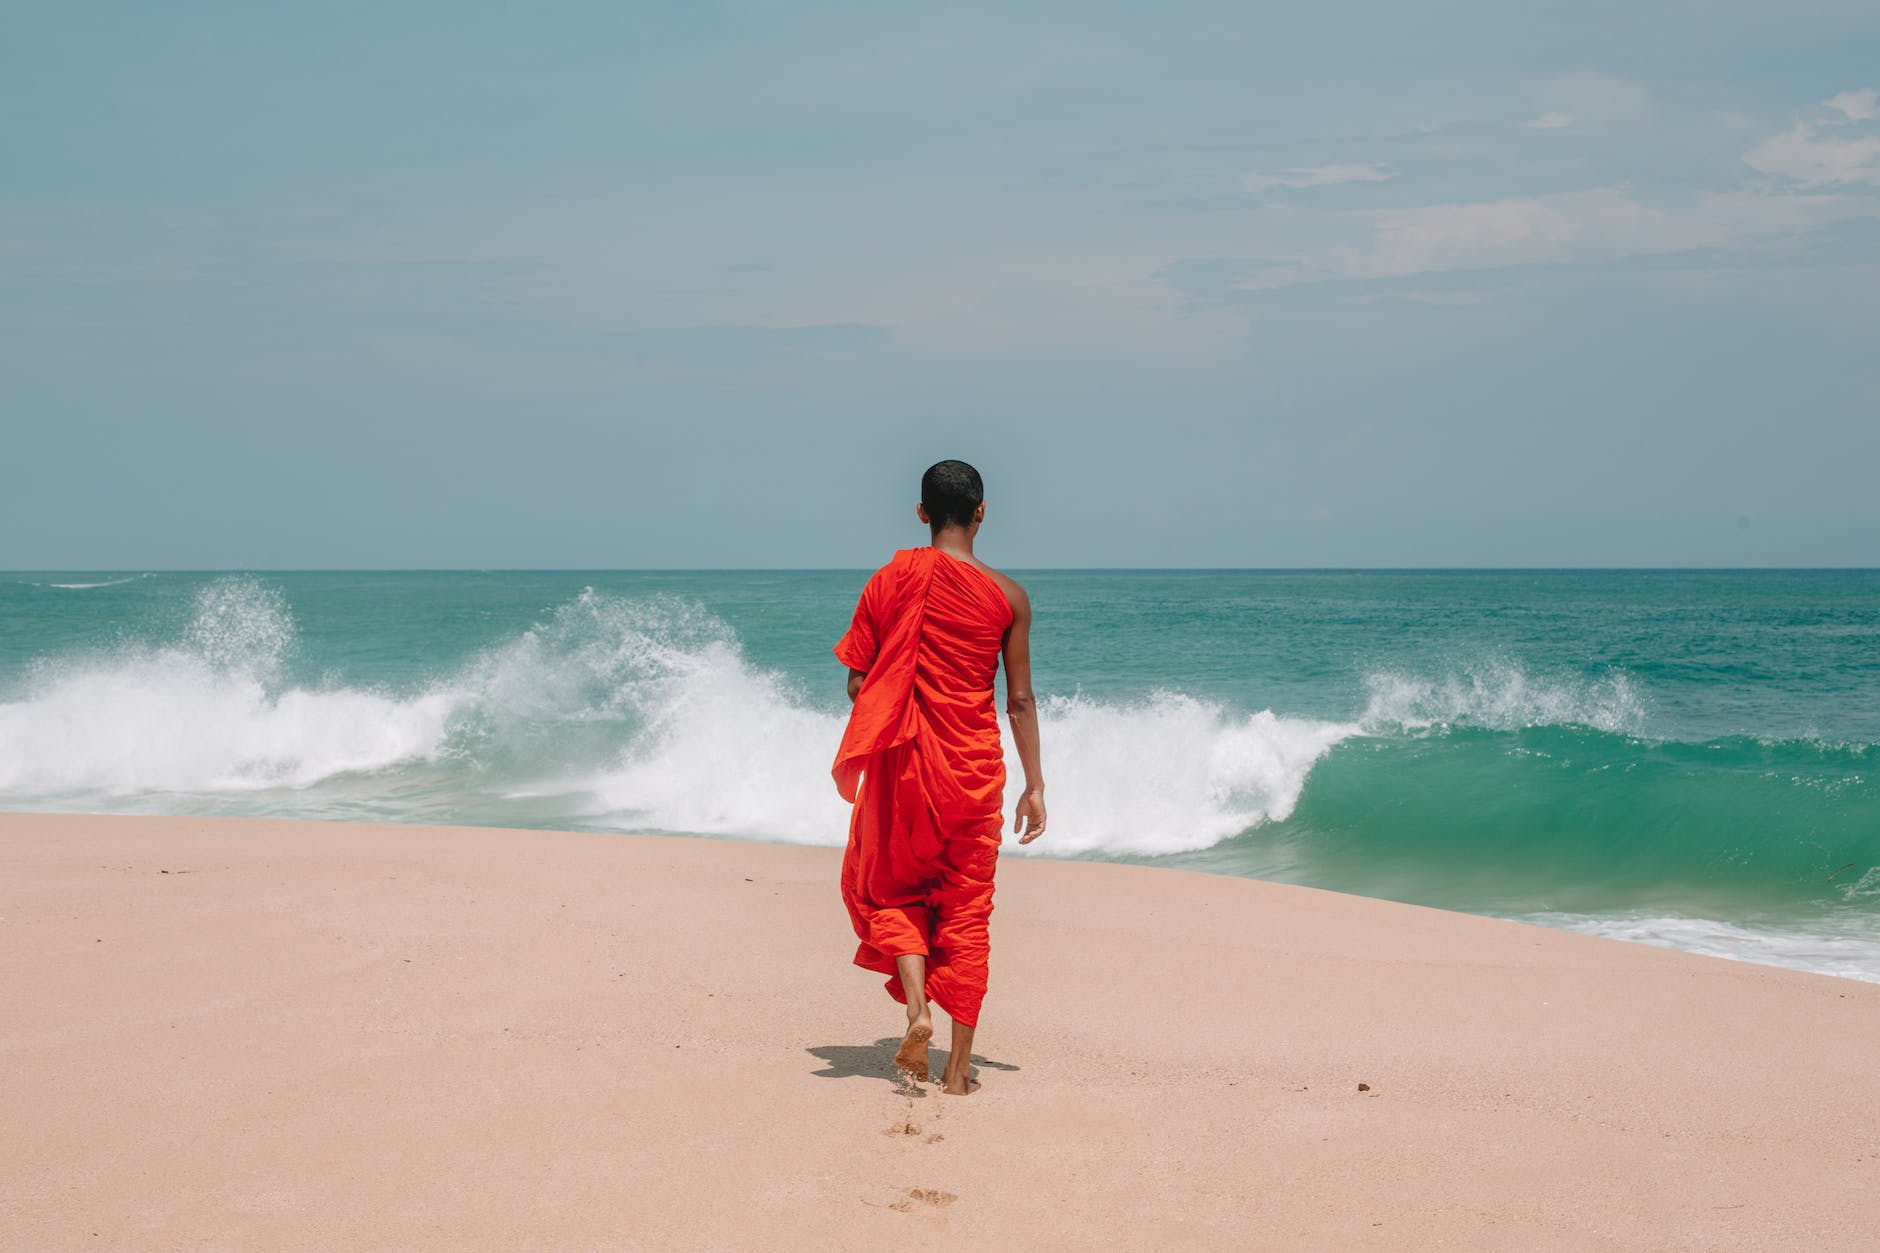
[
  {"x": 1170, "y": 774},
  {"x": 205, "y": 714},
  {"x": 1500, "y": 695}
]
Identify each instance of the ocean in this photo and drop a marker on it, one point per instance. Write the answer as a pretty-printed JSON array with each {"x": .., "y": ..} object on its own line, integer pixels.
[{"x": 1685, "y": 758}]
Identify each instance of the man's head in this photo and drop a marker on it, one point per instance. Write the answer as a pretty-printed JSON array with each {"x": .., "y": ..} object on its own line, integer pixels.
[{"x": 951, "y": 494}]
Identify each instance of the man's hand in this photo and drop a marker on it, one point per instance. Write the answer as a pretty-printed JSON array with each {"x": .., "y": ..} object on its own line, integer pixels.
[{"x": 1028, "y": 818}]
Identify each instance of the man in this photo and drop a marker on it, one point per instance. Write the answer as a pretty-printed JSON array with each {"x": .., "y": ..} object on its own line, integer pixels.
[{"x": 921, "y": 762}]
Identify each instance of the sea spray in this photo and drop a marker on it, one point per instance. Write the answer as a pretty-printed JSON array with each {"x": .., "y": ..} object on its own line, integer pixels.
[
  {"x": 1170, "y": 773},
  {"x": 1500, "y": 693},
  {"x": 724, "y": 748},
  {"x": 709, "y": 743},
  {"x": 204, "y": 714}
]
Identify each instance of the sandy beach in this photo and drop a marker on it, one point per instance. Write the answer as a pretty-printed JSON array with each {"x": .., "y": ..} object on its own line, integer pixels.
[{"x": 228, "y": 1033}]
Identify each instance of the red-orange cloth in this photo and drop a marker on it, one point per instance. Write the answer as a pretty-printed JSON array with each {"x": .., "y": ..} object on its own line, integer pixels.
[{"x": 921, "y": 762}]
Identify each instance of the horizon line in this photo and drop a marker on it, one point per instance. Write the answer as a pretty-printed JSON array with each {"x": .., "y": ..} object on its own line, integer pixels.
[{"x": 1207, "y": 569}]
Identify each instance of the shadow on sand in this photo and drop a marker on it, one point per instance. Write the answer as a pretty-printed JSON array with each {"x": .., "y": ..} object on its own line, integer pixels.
[{"x": 876, "y": 1061}]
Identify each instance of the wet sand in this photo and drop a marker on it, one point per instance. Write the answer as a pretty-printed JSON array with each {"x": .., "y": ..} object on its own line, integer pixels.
[{"x": 241, "y": 1034}]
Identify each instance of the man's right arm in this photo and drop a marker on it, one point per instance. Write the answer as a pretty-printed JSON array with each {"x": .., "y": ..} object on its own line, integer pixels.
[{"x": 856, "y": 678}]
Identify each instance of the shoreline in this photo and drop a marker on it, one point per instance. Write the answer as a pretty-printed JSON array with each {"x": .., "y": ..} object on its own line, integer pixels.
[
  {"x": 310, "y": 1033},
  {"x": 1535, "y": 919}
]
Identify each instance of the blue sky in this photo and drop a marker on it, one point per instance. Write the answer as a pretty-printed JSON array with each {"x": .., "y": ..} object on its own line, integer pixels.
[{"x": 709, "y": 285}]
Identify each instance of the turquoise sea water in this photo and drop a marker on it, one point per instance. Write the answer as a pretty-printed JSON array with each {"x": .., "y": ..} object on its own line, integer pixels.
[{"x": 1687, "y": 758}]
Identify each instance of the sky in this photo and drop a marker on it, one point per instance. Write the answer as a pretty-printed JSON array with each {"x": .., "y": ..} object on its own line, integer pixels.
[{"x": 623, "y": 285}]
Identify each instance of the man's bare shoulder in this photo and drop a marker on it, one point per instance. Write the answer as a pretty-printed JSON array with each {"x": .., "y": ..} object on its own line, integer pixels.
[{"x": 1014, "y": 592}]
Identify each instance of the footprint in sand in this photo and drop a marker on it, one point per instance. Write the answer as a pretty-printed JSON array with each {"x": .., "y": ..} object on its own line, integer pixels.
[
  {"x": 905, "y": 1124},
  {"x": 908, "y": 1127},
  {"x": 917, "y": 1197}
]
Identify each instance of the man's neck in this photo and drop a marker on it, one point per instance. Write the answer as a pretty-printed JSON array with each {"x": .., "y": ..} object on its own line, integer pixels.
[{"x": 955, "y": 541}]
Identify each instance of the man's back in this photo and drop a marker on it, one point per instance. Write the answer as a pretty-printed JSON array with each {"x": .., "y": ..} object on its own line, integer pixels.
[
  {"x": 927, "y": 634},
  {"x": 963, "y": 626}
]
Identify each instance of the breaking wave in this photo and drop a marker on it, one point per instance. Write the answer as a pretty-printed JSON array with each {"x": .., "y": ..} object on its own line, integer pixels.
[
  {"x": 632, "y": 714},
  {"x": 205, "y": 714},
  {"x": 1500, "y": 694}
]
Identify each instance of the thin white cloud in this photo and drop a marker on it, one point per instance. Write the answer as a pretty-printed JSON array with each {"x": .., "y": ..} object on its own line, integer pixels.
[
  {"x": 1806, "y": 155},
  {"x": 1593, "y": 226},
  {"x": 1520, "y": 231},
  {"x": 1314, "y": 176},
  {"x": 1812, "y": 159},
  {"x": 1550, "y": 122},
  {"x": 1592, "y": 96},
  {"x": 1856, "y": 106}
]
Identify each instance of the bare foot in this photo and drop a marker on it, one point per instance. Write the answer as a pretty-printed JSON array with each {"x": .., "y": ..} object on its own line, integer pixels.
[
  {"x": 961, "y": 1087},
  {"x": 912, "y": 1059}
]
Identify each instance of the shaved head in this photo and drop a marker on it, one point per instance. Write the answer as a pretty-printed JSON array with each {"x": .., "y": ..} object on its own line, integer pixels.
[{"x": 952, "y": 492}]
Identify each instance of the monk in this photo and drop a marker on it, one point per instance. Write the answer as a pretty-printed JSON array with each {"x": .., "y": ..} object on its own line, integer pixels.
[{"x": 921, "y": 763}]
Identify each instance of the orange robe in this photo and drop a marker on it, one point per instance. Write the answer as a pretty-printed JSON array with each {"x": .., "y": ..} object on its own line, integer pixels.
[{"x": 922, "y": 764}]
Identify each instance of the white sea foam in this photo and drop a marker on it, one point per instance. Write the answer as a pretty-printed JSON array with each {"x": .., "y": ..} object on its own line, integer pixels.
[
  {"x": 728, "y": 756},
  {"x": 1845, "y": 946},
  {"x": 1867, "y": 885},
  {"x": 733, "y": 754},
  {"x": 704, "y": 741},
  {"x": 82, "y": 587},
  {"x": 1500, "y": 695},
  {"x": 1169, "y": 774},
  {"x": 202, "y": 715}
]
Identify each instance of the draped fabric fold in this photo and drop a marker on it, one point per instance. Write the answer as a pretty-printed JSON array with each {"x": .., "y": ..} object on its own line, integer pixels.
[{"x": 921, "y": 762}]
